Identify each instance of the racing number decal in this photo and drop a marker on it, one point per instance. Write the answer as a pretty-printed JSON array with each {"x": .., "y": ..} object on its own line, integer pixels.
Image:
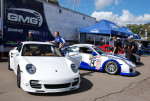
[
  {"x": 95, "y": 61},
  {"x": 92, "y": 61},
  {"x": 98, "y": 62}
]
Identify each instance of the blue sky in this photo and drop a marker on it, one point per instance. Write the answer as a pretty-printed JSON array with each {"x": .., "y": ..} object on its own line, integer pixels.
[{"x": 123, "y": 11}]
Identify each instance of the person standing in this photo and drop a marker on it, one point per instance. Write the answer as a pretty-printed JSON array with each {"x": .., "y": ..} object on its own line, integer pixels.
[
  {"x": 30, "y": 37},
  {"x": 115, "y": 51},
  {"x": 129, "y": 47},
  {"x": 59, "y": 41},
  {"x": 1, "y": 47},
  {"x": 111, "y": 41},
  {"x": 140, "y": 46},
  {"x": 119, "y": 42}
]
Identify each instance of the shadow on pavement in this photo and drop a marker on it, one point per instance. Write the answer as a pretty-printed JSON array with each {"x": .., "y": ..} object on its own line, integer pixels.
[
  {"x": 85, "y": 85},
  {"x": 3, "y": 60},
  {"x": 139, "y": 64}
]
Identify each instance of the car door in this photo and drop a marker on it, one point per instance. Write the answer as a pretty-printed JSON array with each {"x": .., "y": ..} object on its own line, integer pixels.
[
  {"x": 11, "y": 57},
  {"x": 16, "y": 56},
  {"x": 85, "y": 53},
  {"x": 73, "y": 54}
]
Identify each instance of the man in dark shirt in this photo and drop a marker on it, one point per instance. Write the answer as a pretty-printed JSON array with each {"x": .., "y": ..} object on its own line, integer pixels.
[
  {"x": 119, "y": 42},
  {"x": 115, "y": 51},
  {"x": 30, "y": 37},
  {"x": 129, "y": 46},
  {"x": 1, "y": 46}
]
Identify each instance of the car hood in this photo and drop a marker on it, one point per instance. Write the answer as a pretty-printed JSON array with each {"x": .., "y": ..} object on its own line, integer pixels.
[
  {"x": 113, "y": 56},
  {"x": 50, "y": 64}
]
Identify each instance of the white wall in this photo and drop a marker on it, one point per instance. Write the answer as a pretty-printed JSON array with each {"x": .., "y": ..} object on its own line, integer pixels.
[{"x": 67, "y": 22}]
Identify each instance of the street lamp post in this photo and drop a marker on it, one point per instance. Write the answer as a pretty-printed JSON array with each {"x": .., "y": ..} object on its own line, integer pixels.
[{"x": 74, "y": 5}]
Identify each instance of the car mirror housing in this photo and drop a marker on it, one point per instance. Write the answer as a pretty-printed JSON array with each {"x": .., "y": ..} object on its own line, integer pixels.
[{"x": 94, "y": 53}]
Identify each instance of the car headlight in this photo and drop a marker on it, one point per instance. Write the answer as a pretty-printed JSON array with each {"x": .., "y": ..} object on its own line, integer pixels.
[
  {"x": 31, "y": 69},
  {"x": 74, "y": 68}
]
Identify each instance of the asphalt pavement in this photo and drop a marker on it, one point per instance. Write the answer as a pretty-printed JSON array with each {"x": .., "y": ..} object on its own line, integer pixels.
[{"x": 95, "y": 86}]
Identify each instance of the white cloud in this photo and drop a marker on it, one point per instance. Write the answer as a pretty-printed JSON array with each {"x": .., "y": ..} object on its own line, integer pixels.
[
  {"x": 116, "y": 2},
  {"x": 100, "y": 4},
  {"x": 105, "y": 15},
  {"x": 126, "y": 18}
]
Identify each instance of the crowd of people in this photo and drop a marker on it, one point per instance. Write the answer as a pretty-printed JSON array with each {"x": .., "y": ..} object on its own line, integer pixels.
[{"x": 129, "y": 46}]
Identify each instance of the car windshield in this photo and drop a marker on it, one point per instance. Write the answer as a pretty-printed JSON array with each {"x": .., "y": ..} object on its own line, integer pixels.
[
  {"x": 97, "y": 49},
  {"x": 40, "y": 50}
]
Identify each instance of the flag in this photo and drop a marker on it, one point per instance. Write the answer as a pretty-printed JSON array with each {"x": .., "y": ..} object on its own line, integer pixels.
[
  {"x": 140, "y": 32},
  {"x": 145, "y": 33}
]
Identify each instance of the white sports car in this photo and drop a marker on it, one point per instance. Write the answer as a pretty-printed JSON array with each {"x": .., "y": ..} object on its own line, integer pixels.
[
  {"x": 40, "y": 68},
  {"x": 93, "y": 58}
]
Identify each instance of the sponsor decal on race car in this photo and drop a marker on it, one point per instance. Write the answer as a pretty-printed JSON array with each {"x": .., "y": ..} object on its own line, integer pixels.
[{"x": 95, "y": 61}]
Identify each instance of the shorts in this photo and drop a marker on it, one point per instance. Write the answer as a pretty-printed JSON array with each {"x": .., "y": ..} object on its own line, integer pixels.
[{"x": 1, "y": 48}]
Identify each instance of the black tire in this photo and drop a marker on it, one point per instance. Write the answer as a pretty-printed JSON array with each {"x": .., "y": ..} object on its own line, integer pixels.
[
  {"x": 9, "y": 64},
  {"x": 18, "y": 77},
  {"x": 111, "y": 67}
]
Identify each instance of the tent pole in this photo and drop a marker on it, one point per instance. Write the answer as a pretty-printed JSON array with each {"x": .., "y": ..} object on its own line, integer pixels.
[
  {"x": 94, "y": 40},
  {"x": 109, "y": 39},
  {"x": 79, "y": 37},
  {"x": 122, "y": 41}
]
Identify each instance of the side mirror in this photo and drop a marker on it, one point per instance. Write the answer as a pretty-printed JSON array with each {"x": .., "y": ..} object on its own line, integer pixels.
[
  {"x": 15, "y": 52},
  {"x": 15, "y": 48},
  {"x": 94, "y": 53}
]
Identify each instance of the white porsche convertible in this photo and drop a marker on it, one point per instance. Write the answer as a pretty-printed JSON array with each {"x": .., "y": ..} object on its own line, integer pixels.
[
  {"x": 40, "y": 68},
  {"x": 93, "y": 58}
]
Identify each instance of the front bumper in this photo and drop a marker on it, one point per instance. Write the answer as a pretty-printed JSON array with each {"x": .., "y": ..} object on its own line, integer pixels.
[
  {"x": 128, "y": 71},
  {"x": 35, "y": 85}
]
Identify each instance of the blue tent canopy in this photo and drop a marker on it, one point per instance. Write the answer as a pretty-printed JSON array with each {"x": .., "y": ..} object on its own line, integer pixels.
[
  {"x": 103, "y": 27},
  {"x": 127, "y": 32}
]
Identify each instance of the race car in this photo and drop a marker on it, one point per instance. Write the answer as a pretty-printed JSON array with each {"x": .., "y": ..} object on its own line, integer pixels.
[
  {"x": 109, "y": 48},
  {"x": 93, "y": 58},
  {"x": 40, "y": 68},
  {"x": 121, "y": 52}
]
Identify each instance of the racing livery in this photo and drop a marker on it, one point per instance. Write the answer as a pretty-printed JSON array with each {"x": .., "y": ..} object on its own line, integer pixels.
[{"x": 93, "y": 58}]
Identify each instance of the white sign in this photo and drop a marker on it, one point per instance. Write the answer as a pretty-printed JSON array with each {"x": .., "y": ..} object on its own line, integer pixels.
[
  {"x": 114, "y": 26},
  {"x": 94, "y": 31}
]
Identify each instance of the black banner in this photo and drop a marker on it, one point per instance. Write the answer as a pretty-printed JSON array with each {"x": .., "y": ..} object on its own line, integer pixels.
[{"x": 21, "y": 17}]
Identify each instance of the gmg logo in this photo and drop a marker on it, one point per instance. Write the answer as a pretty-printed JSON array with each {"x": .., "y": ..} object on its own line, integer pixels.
[{"x": 36, "y": 20}]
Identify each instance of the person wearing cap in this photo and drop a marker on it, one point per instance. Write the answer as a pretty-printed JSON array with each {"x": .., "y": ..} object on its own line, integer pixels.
[
  {"x": 115, "y": 51},
  {"x": 30, "y": 37},
  {"x": 59, "y": 41},
  {"x": 128, "y": 47}
]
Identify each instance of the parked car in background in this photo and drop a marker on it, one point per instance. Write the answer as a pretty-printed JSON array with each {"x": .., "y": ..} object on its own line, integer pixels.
[
  {"x": 121, "y": 52},
  {"x": 109, "y": 49},
  {"x": 94, "y": 58},
  {"x": 40, "y": 68}
]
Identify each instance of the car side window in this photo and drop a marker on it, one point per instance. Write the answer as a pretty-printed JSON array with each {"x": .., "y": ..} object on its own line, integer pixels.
[
  {"x": 72, "y": 49},
  {"x": 109, "y": 48},
  {"x": 85, "y": 50},
  {"x": 19, "y": 47}
]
